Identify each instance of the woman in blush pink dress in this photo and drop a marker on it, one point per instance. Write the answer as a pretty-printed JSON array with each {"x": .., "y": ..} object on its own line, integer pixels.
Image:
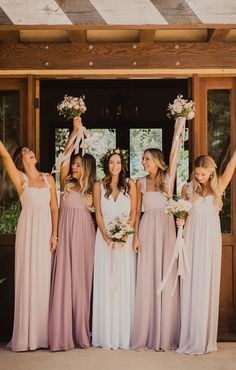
[
  {"x": 36, "y": 239},
  {"x": 73, "y": 263},
  {"x": 202, "y": 233},
  {"x": 156, "y": 317}
]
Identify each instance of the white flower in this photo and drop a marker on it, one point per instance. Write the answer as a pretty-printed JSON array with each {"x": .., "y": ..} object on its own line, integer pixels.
[
  {"x": 177, "y": 107},
  {"x": 190, "y": 115}
]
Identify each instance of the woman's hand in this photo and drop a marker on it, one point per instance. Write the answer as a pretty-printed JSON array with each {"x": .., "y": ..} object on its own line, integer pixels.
[
  {"x": 77, "y": 123},
  {"x": 136, "y": 245},
  {"x": 53, "y": 244},
  {"x": 180, "y": 222}
]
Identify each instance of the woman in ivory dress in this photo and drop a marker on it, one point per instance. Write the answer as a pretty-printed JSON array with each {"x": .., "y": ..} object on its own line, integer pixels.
[
  {"x": 202, "y": 234},
  {"x": 114, "y": 266},
  {"x": 36, "y": 239},
  {"x": 156, "y": 319}
]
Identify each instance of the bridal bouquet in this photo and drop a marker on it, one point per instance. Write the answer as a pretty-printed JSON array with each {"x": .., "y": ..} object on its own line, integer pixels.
[
  {"x": 180, "y": 208},
  {"x": 71, "y": 107},
  {"x": 118, "y": 230},
  {"x": 181, "y": 108}
]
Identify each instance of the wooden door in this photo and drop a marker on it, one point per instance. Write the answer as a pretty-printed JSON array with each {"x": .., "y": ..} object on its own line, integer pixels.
[{"x": 214, "y": 133}]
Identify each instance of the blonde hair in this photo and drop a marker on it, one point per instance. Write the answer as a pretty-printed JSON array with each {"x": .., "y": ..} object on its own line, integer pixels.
[
  {"x": 86, "y": 180},
  {"x": 158, "y": 158},
  {"x": 207, "y": 162}
]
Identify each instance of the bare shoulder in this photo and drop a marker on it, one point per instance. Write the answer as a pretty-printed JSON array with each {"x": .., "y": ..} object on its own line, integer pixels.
[
  {"x": 96, "y": 186},
  {"x": 50, "y": 178}
]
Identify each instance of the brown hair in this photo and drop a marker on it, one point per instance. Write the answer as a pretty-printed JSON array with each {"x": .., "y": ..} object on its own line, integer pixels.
[
  {"x": 122, "y": 183},
  {"x": 18, "y": 159},
  {"x": 207, "y": 162},
  {"x": 160, "y": 180}
]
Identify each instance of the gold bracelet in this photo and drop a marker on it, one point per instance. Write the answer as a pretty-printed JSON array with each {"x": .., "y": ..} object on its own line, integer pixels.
[{"x": 54, "y": 237}]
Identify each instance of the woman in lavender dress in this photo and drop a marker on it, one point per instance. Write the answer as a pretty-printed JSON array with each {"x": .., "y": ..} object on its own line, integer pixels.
[
  {"x": 73, "y": 263},
  {"x": 156, "y": 317},
  {"x": 36, "y": 239}
]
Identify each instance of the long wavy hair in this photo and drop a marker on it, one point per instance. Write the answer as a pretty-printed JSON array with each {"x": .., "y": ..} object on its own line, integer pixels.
[
  {"x": 86, "y": 180},
  {"x": 122, "y": 183},
  {"x": 160, "y": 180},
  {"x": 207, "y": 162}
]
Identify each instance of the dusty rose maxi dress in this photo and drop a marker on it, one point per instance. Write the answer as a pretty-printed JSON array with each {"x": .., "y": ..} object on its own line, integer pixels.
[
  {"x": 32, "y": 269},
  {"x": 156, "y": 317},
  {"x": 72, "y": 276}
]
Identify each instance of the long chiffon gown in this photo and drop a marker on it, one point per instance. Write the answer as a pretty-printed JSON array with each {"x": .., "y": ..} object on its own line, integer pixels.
[
  {"x": 156, "y": 318},
  {"x": 32, "y": 269},
  {"x": 200, "y": 290},
  {"x": 72, "y": 276},
  {"x": 114, "y": 282}
]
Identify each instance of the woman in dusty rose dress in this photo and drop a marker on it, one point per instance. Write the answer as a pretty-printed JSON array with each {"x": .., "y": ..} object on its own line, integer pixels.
[
  {"x": 156, "y": 317},
  {"x": 36, "y": 239},
  {"x": 200, "y": 289},
  {"x": 73, "y": 263}
]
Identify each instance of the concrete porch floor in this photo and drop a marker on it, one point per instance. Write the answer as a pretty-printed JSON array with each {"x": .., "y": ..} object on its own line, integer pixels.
[{"x": 101, "y": 359}]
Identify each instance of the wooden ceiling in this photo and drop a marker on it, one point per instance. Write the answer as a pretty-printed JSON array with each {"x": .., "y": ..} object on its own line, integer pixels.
[{"x": 78, "y": 47}]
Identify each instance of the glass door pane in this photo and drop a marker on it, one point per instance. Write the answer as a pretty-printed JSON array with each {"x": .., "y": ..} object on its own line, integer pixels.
[
  {"x": 140, "y": 140},
  {"x": 218, "y": 111},
  {"x": 9, "y": 134}
]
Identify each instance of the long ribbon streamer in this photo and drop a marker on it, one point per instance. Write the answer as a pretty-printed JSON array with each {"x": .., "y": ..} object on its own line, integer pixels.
[
  {"x": 180, "y": 255},
  {"x": 75, "y": 143}
]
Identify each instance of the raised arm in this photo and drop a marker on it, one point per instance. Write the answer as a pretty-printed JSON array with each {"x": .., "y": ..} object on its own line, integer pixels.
[
  {"x": 65, "y": 170},
  {"x": 54, "y": 214},
  {"x": 225, "y": 178},
  {"x": 13, "y": 173},
  {"x": 175, "y": 151},
  {"x": 98, "y": 211},
  {"x": 133, "y": 200},
  {"x": 136, "y": 245}
]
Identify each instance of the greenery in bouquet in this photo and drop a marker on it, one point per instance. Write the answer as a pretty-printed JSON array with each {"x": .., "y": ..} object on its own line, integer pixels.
[{"x": 71, "y": 106}]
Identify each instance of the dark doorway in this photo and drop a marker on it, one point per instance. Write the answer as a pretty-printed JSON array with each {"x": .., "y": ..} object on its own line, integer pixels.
[{"x": 128, "y": 107}]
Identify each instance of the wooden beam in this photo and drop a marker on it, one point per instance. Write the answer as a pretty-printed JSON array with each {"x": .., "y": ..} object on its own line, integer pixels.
[
  {"x": 118, "y": 55},
  {"x": 78, "y": 35},
  {"x": 147, "y": 35},
  {"x": 9, "y": 36},
  {"x": 217, "y": 35}
]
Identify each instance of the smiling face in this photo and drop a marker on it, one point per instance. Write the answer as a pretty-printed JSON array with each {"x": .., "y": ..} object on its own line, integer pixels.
[
  {"x": 114, "y": 165},
  {"x": 76, "y": 168},
  {"x": 202, "y": 175},
  {"x": 149, "y": 163},
  {"x": 28, "y": 157}
]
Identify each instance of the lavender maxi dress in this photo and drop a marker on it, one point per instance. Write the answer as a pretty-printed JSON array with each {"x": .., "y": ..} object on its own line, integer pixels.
[
  {"x": 156, "y": 317},
  {"x": 72, "y": 276}
]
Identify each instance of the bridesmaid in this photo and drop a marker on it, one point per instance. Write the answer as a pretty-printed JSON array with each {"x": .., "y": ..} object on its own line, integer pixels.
[
  {"x": 36, "y": 239},
  {"x": 156, "y": 317},
  {"x": 114, "y": 267},
  {"x": 200, "y": 290},
  {"x": 73, "y": 263}
]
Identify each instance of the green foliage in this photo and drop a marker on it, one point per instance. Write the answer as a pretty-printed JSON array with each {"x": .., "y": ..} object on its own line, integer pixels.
[{"x": 9, "y": 218}]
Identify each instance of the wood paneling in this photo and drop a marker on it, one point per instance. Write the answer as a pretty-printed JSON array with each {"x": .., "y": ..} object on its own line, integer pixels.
[{"x": 118, "y": 55}]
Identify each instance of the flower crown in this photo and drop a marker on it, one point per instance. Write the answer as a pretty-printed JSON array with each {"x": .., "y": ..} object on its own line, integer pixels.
[{"x": 121, "y": 152}]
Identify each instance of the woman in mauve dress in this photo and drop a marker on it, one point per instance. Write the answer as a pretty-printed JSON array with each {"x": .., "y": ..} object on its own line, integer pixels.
[
  {"x": 156, "y": 317},
  {"x": 36, "y": 239},
  {"x": 73, "y": 264},
  {"x": 200, "y": 290}
]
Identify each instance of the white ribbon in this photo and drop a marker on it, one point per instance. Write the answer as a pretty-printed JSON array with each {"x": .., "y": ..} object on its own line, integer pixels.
[
  {"x": 176, "y": 146},
  {"x": 74, "y": 145},
  {"x": 180, "y": 255}
]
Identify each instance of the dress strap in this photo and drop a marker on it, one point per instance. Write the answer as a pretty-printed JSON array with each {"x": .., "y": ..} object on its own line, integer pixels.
[
  {"x": 45, "y": 179},
  {"x": 143, "y": 181},
  {"x": 26, "y": 181}
]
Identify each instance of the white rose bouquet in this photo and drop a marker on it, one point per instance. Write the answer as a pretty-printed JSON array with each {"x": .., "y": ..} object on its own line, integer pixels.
[
  {"x": 71, "y": 107},
  {"x": 118, "y": 230},
  {"x": 181, "y": 108}
]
